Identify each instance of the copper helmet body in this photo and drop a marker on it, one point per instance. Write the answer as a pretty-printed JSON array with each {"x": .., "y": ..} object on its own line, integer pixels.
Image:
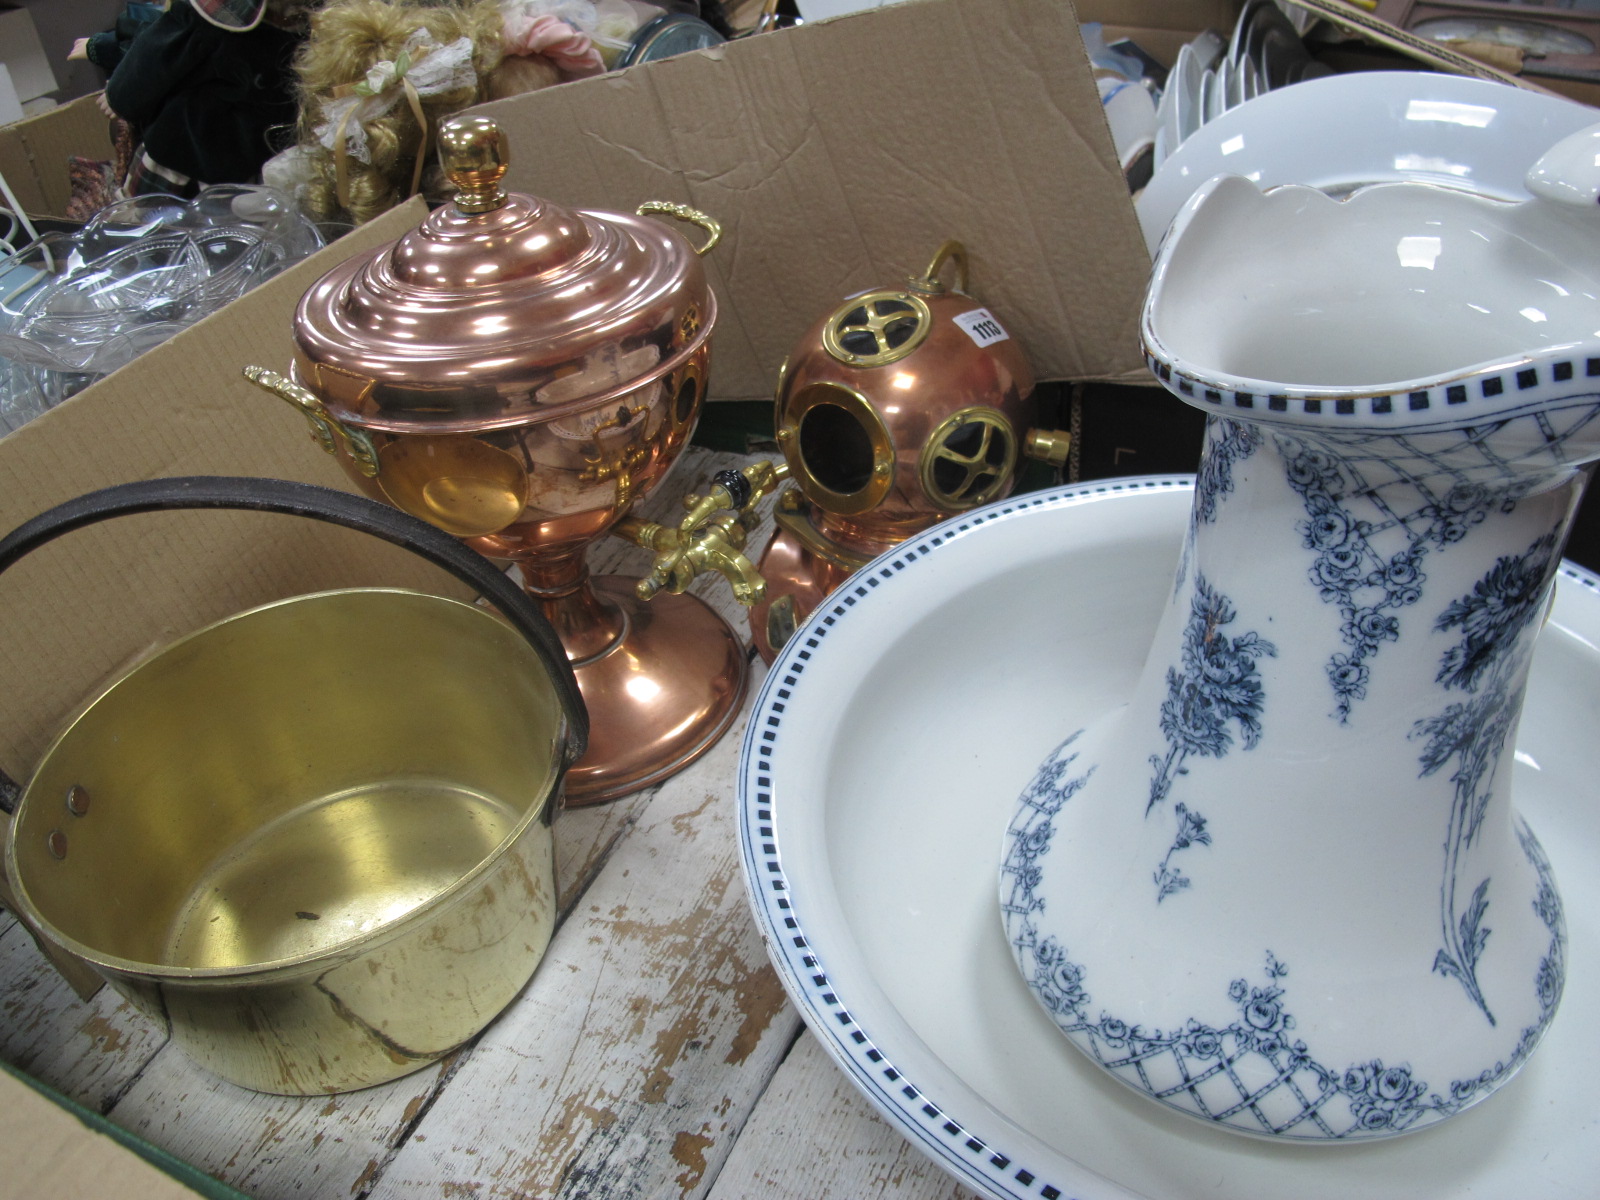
[{"x": 902, "y": 406}]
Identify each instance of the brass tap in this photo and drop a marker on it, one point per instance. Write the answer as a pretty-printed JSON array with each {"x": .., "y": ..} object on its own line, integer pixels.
[{"x": 711, "y": 536}]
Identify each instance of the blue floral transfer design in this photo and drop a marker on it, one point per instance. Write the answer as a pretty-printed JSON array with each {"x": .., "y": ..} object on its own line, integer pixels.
[
  {"x": 1489, "y": 663},
  {"x": 1253, "y": 1073},
  {"x": 1369, "y": 586},
  {"x": 1191, "y": 832},
  {"x": 1228, "y": 444},
  {"x": 1214, "y": 686},
  {"x": 1552, "y": 977},
  {"x": 1500, "y": 607}
]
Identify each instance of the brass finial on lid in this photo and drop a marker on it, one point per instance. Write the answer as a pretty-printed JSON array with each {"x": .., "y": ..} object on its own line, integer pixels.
[{"x": 475, "y": 155}]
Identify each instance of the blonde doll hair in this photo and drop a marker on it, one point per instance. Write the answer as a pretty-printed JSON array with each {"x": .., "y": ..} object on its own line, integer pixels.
[{"x": 348, "y": 37}]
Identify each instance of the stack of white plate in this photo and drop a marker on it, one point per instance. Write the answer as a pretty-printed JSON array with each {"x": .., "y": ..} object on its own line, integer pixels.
[{"x": 1212, "y": 75}]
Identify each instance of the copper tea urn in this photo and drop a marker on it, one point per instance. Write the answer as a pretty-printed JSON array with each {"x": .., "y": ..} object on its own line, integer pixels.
[{"x": 520, "y": 374}]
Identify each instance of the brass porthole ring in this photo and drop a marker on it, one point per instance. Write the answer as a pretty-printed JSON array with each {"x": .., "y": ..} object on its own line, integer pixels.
[
  {"x": 838, "y": 449},
  {"x": 968, "y": 459},
  {"x": 877, "y": 328}
]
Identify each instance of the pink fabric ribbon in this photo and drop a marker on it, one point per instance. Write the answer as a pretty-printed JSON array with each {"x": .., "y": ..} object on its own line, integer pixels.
[{"x": 568, "y": 48}]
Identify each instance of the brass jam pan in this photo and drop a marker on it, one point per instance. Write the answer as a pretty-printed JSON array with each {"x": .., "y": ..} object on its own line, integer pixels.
[{"x": 315, "y": 836}]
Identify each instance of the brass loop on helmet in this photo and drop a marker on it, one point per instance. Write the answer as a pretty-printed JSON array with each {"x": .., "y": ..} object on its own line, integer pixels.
[{"x": 928, "y": 282}]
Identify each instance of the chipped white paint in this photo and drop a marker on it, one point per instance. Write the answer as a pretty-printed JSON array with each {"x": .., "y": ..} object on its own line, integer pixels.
[
  {"x": 630, "y": 1064},
  {"x": 89, "y": 1051},
  {"x": 814, "y": 1134},
  {"x": 273, "y": 1146}
]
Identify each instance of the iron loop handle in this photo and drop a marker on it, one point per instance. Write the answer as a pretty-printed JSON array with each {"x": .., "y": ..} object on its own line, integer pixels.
[{"x": 336, "y": 508}]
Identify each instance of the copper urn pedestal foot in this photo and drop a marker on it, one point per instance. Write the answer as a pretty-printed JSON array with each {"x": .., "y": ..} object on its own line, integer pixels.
[{"x": 662, "y": 681}]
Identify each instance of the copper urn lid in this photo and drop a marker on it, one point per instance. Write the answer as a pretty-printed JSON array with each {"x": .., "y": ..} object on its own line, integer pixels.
[{"x": 501, "y": 309}]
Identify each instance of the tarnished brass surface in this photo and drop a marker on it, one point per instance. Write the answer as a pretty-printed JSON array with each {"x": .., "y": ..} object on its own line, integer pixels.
[
  {"x": 318, "y": 838},
  {"x": 782, "y": 620}
]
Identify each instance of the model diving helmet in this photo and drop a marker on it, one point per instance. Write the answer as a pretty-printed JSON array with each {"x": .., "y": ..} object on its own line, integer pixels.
[{"x": 901, "y": 407}]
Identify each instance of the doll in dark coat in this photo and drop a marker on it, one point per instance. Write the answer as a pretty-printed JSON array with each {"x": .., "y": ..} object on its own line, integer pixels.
[
  {"x": 105, "y": 49},
  {"x": 203, "y": 87}
]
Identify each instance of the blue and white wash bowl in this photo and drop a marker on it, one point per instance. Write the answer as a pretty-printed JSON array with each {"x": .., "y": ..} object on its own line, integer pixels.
[{"x": 1285, "y": 889}]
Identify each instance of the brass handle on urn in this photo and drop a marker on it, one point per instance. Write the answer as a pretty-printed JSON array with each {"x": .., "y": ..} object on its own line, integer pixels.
[
  {"x": 711, "y": 537},
  {"x": 325, "y": 429},
  {"x": 682, "y": 212}
]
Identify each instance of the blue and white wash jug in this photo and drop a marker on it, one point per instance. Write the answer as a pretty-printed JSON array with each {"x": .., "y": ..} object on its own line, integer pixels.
[{"x": 1285, "y": 889}]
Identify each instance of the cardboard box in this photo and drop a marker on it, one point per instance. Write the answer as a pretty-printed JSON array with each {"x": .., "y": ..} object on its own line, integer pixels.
[
  {"x": 23, "y": 54},
  {"x": 839, "y": 155},
  {"x": 52, "y": 1147},
  {"x": 79, "y": 608},
  {"x": 34, "y": 154},
  {"x": 10, "y": 105}
]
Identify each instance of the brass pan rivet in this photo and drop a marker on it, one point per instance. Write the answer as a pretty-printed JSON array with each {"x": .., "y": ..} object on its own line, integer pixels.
[
  {"x": 57, "y": 842},
  {"x": 77, "y": 800}
]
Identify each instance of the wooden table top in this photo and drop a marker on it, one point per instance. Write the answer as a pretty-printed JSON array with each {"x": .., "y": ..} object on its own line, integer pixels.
[{"x": 654, "y": 1053}]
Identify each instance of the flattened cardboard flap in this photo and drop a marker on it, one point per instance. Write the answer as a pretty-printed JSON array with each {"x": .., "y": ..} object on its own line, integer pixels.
[
  {"x": 839, "y": 155},
  {"x": 52, "y": 1147},
  {"x": 82, "y": 607},
  {"x": 34, "y": 154}
]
